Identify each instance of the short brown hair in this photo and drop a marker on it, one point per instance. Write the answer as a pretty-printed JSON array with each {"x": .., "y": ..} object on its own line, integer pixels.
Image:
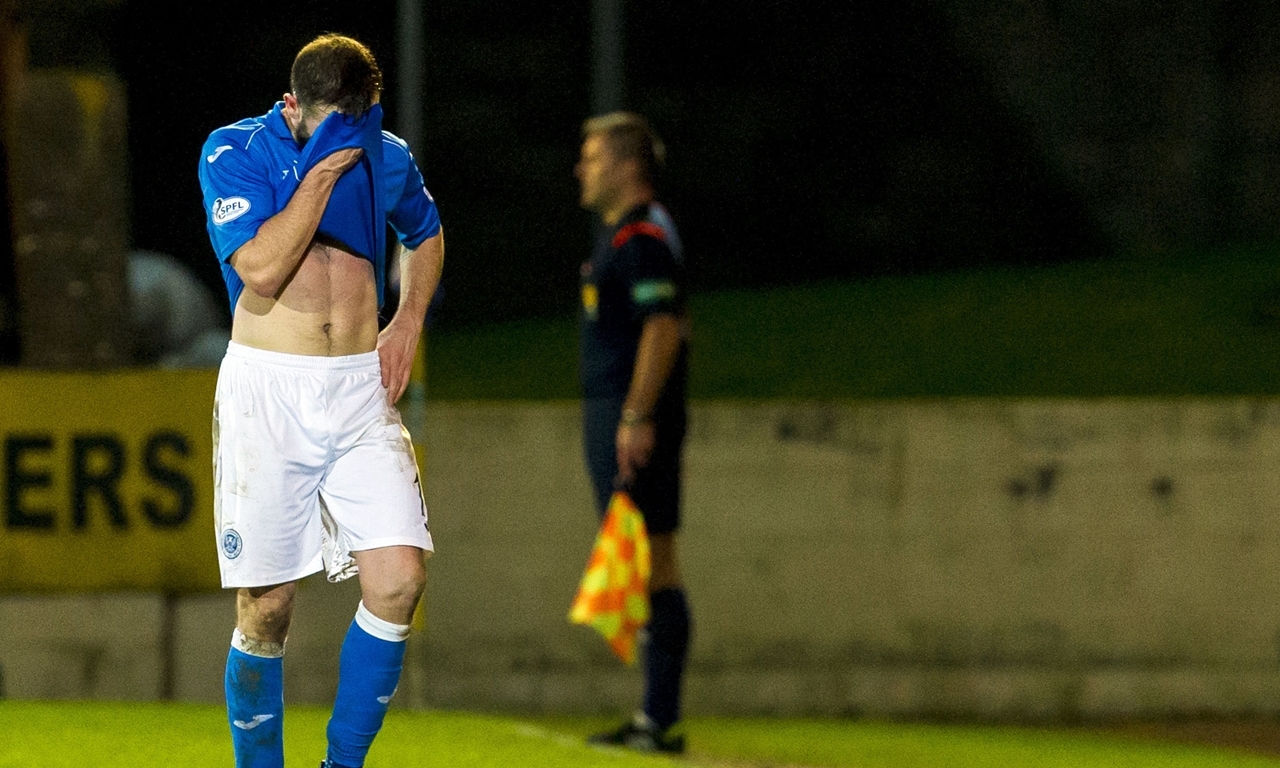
[
  {"x": 336, "y": 70},
  {"x": 629, "y": 136}
]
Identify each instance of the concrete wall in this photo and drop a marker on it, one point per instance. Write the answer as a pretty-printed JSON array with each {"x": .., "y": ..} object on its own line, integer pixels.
[{"x": 982, "y": 559}]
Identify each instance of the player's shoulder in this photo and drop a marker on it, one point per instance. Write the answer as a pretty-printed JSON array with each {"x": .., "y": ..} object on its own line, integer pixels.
[
  {"x": 394, "y": 148},
  {"x": 239, "y": 134},
  {"x": 394, "y": 142},
  {"x": 398, "y": 163},
  {"x": 243, "y": 136}
]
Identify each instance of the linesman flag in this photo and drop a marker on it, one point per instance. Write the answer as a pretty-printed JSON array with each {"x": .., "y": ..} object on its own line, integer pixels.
[{"x": 614, "y": 594}]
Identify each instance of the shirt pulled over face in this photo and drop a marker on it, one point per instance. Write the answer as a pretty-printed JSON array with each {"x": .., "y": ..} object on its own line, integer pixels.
[{"x": 249, "y": 171}]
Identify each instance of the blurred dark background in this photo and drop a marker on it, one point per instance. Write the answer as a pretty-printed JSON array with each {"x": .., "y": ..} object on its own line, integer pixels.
[{"x": 807, "y": 140}]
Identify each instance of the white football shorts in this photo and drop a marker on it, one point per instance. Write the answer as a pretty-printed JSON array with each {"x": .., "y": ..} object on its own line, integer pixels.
[{"x": 310, "y": 464}]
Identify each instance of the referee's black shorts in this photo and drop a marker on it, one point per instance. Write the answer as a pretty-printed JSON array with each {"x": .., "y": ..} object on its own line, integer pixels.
[{"x": 656, "y": 488}]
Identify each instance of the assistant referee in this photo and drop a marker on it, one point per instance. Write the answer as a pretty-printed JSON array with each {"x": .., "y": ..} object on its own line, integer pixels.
[{"x": 634, "y": 363}]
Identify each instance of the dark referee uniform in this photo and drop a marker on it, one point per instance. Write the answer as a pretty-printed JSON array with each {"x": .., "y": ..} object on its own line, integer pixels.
[{"x": 635, "y": 272}]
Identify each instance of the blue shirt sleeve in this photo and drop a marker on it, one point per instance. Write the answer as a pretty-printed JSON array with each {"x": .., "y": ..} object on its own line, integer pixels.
[
  {"x": 238, "y": 195},
  {"x": 410, "y": 208}
]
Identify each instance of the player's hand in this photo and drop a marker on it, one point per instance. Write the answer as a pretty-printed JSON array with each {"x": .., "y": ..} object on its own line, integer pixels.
[
  {"x": 397, "y": 345},
  {"x": 339, "y": 162},
  {"x": 635, "y": 444}
]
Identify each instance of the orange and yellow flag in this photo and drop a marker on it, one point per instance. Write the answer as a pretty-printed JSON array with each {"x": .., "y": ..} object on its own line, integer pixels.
[{"x": 614, "y": 594}]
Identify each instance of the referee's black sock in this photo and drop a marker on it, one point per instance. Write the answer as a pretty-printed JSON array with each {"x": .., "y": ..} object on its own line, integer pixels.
[{"x": 665, "y": 654}]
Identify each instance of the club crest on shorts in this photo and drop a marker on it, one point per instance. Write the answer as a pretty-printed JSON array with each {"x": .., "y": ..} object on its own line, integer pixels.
[{"x": 231, "y": 543}]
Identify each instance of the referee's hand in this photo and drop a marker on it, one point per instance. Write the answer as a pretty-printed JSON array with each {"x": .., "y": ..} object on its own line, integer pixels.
[{"x": 634, "y": 443}]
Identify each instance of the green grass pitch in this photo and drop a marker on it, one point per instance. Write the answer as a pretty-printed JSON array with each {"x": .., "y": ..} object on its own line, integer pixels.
[{"x": 120, "y": 735}]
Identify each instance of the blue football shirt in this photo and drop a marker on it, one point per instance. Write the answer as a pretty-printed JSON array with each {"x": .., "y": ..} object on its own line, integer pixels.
[{"x": 250, "y": 169}]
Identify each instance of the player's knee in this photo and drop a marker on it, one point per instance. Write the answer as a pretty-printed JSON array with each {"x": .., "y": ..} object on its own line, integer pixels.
[
  {"x": 412, "y": 586},
  {"x": 401, "y": 589},
  {"x": 267, "y": 623}
]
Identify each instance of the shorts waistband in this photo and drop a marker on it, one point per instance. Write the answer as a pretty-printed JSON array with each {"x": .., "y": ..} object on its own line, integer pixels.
[{"x": 362, "y": 361}]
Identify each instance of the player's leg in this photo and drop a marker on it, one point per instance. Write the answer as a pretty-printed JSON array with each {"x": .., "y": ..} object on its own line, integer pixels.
[
  {"x": 391, "y": 582},
  {"x": 255, "y": 675},
  {"x": 267, "y": 469},
  {"x": 374, "y": 499}
]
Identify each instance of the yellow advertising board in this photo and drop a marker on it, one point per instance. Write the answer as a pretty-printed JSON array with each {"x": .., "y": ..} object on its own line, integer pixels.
[{"x": 106, "y": 481}]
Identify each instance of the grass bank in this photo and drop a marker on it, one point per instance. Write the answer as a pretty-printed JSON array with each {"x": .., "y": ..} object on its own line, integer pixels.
[{"x": 1187, "y": 325}]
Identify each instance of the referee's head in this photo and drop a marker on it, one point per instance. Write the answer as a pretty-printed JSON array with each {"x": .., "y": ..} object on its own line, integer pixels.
[{"x": 629, "y": 136}]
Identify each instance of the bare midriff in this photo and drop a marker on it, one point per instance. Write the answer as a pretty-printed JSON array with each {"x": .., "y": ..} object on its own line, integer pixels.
[{"x": 328, "y": 306}]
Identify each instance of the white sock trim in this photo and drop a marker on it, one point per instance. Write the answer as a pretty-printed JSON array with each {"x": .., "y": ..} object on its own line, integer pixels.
[
  {"x": 379, "y": 628},
  {"x": 260, "y": 648}
]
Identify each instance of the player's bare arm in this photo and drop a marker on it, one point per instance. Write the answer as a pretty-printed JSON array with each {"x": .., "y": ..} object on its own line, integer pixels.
[
  {"x": 655, "y": 357},
  {"x": 397, "y": 343},
  {"x": 265, "y": 262}
]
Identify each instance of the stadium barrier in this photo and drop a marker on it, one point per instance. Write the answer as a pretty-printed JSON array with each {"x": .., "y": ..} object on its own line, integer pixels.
[
  {"x": 992, "y": 559},
  {"x": 107, "y": 482}
]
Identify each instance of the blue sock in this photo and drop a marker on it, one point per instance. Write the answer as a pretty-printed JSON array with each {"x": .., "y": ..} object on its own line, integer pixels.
[
  {"x": 665, "y": 654},
  {"x": 368, "y": 674},
  {"x": 255, "y": 708}
]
